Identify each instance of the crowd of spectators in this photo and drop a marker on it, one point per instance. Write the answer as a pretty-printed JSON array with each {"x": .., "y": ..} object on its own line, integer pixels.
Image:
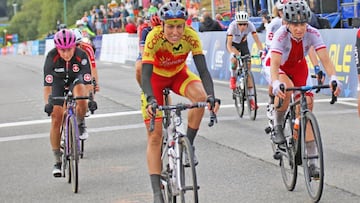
[{"x": 126, "y": 17}]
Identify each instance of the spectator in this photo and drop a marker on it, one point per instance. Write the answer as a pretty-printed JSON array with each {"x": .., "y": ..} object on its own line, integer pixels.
[
  {"x": 152, "y": 9},
  {"x": 265, "y": 20},
  {"x": 209, "y": 24},
  {"x": 117, "y": 18},
  {"x": 130, "y": 26},
  {"x": 219, "y": 18}
]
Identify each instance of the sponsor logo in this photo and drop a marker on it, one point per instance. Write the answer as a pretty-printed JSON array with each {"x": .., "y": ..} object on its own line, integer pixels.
[
  {"x": 84, "y": 61},
  {"x": 75, "y": 68},
  {"x": 49, "y": 78},
  {"x": 87, "y": 77},
  {"x": 177, "y": 48}
]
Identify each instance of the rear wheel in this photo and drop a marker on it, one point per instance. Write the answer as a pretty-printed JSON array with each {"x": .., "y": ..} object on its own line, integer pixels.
[
  {"x": 74, "y": 154},
  {"x": 287, "y": 161},
  {"x": 313, "y": 162},
  {"x": 251, "y": 97},
  {"x": 188, "y": 180}
]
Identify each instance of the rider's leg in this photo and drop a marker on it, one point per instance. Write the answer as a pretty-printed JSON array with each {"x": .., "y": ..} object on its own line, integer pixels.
[
  {"x": 81, "y": 108},
  {"x": 233, "y": 73}
]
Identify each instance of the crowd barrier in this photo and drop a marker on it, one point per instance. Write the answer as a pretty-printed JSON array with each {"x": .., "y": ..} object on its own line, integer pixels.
[{"x": 123, "y": 48}]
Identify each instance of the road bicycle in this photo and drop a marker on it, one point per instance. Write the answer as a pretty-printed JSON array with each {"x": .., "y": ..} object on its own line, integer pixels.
[
  {"x": 178, "y": 177},
  {"x": 70, "y": 138},
  {"x": 241, "y": 93},
  {"x": 295, "y": 151}
]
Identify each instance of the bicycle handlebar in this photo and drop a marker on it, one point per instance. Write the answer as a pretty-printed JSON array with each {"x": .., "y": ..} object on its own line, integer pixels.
[{"x": 181, "y": 107}]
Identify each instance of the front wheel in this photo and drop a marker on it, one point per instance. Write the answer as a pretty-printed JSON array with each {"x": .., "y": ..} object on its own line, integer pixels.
[
  {"x": 188, "y": 181},
  {"x": 312, "y": 157},
  {"x": 251, "y": 97},
  {"x": 74, "y": 154},
  {"x": 239, "y": 96}
]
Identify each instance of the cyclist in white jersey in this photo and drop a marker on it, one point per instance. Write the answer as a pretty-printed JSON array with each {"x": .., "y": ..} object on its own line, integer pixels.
[
  {"x": 288, "y": 49},
  {"x": 271, "y": 28},
  {"x": 236, "y": 43}
]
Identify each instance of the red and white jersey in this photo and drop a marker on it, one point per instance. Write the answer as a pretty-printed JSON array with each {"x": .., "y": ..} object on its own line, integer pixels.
[
  {"x": 283, "y": 43},
  {"x": 90, "y": 52},
  {"x": 271, "y": 28},
  {"x": 239, "y": 36}
]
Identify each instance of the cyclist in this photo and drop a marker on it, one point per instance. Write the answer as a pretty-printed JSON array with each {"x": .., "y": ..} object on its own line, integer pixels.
[
  {"x": 85, "y": 46},
  {"x": 65, "y": 66},
  {"x": 271, "y": 28},
  {"x": 154, "y": 21},
  {"x": 164, "y": 65},
  {"x": 288, "y": 65},
  {"x": 357, "y": 61},
  {"x": 236, "y": 43}
]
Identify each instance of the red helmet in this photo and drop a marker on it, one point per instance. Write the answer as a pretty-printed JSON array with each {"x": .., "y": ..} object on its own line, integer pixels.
[{"x": 155, "y": 20}]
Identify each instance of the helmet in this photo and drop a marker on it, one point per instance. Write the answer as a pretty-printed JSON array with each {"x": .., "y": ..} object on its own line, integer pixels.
[
  {"x": 64, "y": 39},
  {"x": 79, "y": 22},
  {"x": 241, "y": 16},
  {"x": 78, "y": 35},
  {"x": 296, "y": 11},
  {"x": 155, "y": 20},
  {"x": 172, "y": 10}
]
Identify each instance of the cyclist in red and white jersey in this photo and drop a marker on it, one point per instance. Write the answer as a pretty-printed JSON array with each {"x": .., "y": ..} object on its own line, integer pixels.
[
  {"x": 290, "y": 45},
  {"x": 236, "y": 43}
]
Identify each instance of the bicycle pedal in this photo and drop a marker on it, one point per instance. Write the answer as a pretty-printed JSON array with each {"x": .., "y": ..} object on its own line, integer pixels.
[{"x": 268, "y": 130}]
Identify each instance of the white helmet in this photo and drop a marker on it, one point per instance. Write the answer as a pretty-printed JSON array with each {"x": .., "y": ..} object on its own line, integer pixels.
[
  {"x": 79, "y": 22},
  {"x": 78, "y": 34},
  {"x": 242, "y": 16}
]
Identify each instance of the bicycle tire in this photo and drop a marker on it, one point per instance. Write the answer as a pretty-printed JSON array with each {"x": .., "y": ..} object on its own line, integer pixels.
[
  {"x": 287, "y": 161},
  {"x": 252, "y": 112},
  {"x": 82, "y": 144},
  {"x": 238, "y": 96},
  {"x": 314, "y": 185},
  {"x": 188, "y": 180},
  {"x": 74, "y": 154}
]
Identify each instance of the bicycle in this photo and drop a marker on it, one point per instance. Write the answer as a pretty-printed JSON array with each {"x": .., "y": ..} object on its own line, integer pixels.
[
  {"x": 177, "y": 178},
  {"x": 71, "y": 149},
  {"x": 294, "y": 151},
  {"x": 241, "y": 93}
]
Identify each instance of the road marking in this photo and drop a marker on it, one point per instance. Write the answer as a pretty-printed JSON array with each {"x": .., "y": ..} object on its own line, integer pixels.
[{"x": 344, "y": 101}]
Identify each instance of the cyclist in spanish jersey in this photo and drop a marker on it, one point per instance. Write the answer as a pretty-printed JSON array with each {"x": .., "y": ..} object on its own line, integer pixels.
[
  {"x": 154, "y": 21},
  {"x": 85, "y": 46},
  {"x": 236, "y": 43},
  {"x": 66, "y": 66},
  {"x": 288, "y": 49},
  {"x": 164, "y": 66}
]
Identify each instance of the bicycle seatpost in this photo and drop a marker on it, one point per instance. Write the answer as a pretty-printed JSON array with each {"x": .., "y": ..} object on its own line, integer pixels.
[
  {"x": 333, "y": 97},
  {"x": 281, "y": 101}
]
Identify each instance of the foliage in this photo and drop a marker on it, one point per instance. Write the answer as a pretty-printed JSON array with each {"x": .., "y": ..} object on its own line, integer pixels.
[{"x": 36, "y": 18}]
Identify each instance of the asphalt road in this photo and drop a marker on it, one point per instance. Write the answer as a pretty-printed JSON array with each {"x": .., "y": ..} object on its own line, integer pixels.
[{"x": 235, "y": 155}]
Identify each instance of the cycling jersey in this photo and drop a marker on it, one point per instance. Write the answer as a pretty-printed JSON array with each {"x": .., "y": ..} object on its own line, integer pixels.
[
  {"x": 271, "y": 28},
  {"x": 239, "y": 36},
  {"x": 140, "y": 31},
  {"x": 90, "y": 52},
  {"x": 285, "y": 45},
  {"x": 143, "y": 35},
  {"x": 357, "y": 50},
  {"x": 168, "y": 59},
  {"x": 60, "y": 74}
]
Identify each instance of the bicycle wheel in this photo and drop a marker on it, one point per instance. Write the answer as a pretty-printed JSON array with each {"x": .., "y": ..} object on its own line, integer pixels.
[
  {"x": 188, "y": 181},
  {"x": 82, "y": 143},
  {"x": 74, "y": 154},
  {"x": 287, "y": 161},
  {"x": 251, "y": 96},
  {"x": 313, "y": 161},
  {"x": 238, "y": 96}
]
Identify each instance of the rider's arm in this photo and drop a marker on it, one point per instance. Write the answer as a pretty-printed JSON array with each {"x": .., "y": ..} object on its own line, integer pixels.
[
  {"x": 204, "y": 73},
  {"x": 146, "y": 73},
  {"x": 326, "y": 62},
  {"x": 275, "y": 63},
  {"x": 357, "y": 62},
  {"x": 257, "y": 41},
  {"x": 48, "y": 76}
]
